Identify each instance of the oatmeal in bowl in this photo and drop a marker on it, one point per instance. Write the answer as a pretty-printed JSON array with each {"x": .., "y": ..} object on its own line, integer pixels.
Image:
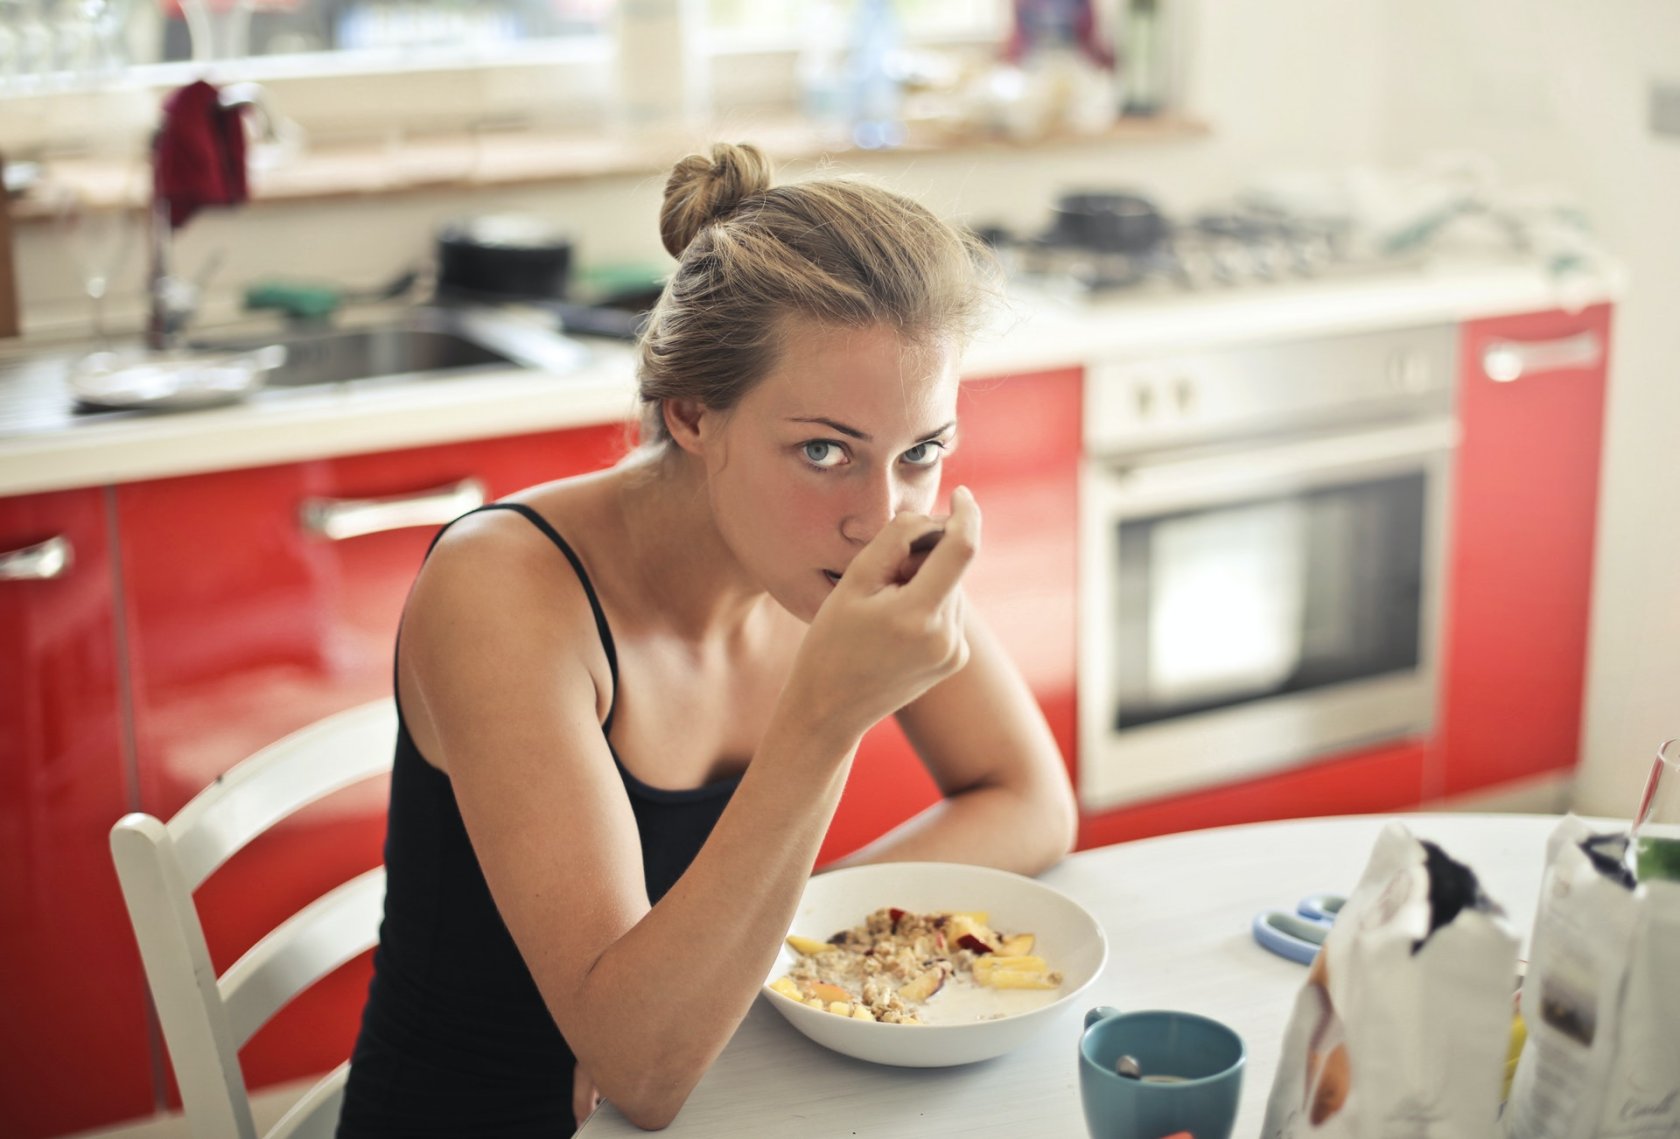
[
  {"x": 931, "y": 964},
  {"x": 897, "y": 961}
]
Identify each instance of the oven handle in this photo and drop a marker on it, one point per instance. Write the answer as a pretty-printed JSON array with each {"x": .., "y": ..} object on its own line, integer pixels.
[
  {"x": 1156, "y": 487},
  {"x": 1505, "y": 361}
]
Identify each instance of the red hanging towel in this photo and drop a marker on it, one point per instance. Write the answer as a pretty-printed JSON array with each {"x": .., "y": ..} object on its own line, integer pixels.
[{"x": 198, "y": 154}]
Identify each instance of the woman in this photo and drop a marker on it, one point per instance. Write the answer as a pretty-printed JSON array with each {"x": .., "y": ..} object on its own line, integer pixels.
[{"x": 630, "y": 700}]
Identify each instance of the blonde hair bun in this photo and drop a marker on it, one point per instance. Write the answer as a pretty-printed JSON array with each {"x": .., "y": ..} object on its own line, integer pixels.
[{"x": 702, "y": 190}]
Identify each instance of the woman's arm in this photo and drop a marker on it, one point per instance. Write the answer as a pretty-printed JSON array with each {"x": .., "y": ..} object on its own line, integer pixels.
[
  {"x": 648, "y": 996},
  {"x": 1007, "y": 801}
]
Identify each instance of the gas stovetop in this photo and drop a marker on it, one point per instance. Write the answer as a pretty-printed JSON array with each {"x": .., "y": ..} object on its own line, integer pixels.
[{"x": 1209, "y": 251}]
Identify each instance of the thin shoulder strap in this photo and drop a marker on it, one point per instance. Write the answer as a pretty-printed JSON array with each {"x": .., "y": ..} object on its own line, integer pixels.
[{"x": 541, "y": 523}]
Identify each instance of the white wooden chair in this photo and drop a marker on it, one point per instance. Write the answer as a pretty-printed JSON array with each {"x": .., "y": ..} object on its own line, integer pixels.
[{"x": 205, "y": 1019}]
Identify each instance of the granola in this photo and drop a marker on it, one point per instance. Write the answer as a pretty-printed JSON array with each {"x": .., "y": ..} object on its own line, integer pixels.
[{"x": 886, "y": 968}]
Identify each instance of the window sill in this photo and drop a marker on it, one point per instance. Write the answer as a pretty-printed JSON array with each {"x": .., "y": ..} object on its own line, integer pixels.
[{"x": 511, "y": 158}]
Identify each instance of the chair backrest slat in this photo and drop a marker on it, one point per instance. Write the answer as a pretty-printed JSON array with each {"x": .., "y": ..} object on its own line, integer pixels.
[
  {"x": 284, "y": 777},
  {"x": 315, "y": 1116},
  {"x": 306, "y": 947},
  {"x": 160, "y": 865}
]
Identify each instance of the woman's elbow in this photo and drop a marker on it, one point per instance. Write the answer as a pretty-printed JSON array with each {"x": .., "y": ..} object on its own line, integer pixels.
[
  {"x": 651, "y": 1098},
  {"x": 650, "y": 1120},
  {"x": 1060, "y": 812},
  {"x": 650, "y": 1112}
]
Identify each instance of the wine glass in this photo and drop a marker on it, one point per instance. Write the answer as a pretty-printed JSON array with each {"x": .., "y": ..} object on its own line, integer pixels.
[{"x": 1655, "y": 838}]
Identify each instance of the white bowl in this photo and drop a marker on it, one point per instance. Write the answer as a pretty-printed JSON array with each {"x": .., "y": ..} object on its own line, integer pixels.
[{"x": 1068, "y": 938}]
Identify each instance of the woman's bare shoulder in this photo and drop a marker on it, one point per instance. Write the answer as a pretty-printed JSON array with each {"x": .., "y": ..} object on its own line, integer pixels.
[{"x": 497, "y": 602}]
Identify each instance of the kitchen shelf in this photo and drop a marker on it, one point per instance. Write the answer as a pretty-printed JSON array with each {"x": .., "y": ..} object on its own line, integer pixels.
[{"x": 510, "y": 158}]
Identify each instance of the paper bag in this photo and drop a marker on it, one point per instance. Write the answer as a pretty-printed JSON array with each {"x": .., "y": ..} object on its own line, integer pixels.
[
  {"x": 1601, "y": 999},
  {"x": 1403, "y": 1025}
]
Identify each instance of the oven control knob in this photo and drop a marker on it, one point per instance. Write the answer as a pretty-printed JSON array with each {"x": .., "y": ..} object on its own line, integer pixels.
[
  {"x": 1409, "y": 372},
  {"x": 1143, "y": 397},
  {"x": 1184, "y": 394}
]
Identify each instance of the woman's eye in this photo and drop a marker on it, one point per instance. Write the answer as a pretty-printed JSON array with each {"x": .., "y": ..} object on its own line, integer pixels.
[
  {"x": 924, "y": 454},
  {"x": 821, "y": 453}
]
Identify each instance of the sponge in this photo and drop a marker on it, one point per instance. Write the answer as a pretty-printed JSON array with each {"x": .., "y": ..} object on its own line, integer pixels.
[{"x": 296, "y": 300}]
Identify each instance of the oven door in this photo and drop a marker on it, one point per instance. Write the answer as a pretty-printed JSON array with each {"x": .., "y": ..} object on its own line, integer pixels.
[{"x": 1257, "y": 608}]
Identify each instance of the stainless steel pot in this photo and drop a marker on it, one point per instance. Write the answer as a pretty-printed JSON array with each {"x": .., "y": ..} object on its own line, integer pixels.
[
  {"x": 503, "y": 257},
  {"x": 1108, "y": 222}
]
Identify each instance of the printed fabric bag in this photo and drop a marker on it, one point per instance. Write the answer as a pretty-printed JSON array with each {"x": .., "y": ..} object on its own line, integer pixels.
[
  {"x": 1601, "y": 999},
  {"x": 1404, "y": 1024}
]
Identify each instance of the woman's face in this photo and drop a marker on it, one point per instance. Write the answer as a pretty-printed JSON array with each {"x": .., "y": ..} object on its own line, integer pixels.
[{"x": 848, "y": 429}]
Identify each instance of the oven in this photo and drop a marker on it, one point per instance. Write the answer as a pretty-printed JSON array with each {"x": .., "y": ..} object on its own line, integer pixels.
[{"x": 1262, "y": 552}]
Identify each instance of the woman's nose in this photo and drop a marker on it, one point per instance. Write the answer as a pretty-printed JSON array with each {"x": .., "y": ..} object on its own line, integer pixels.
[{"x": 875, "y": 503}]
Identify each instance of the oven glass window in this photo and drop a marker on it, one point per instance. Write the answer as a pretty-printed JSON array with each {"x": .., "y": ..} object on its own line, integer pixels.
[{"x": 1231, "y": 604}]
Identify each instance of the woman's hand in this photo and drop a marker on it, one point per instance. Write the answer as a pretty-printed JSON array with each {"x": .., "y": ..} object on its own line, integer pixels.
[
  {"x": 893, "y": 627},
  {"x": 585, "y": 1096}
]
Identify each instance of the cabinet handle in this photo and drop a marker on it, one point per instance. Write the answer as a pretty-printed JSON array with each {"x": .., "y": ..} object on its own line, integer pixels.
[
  {"x": 43, "y": 562},
  {"x": 1507, "y": 360},
  {"x": 336, "y": 519}
]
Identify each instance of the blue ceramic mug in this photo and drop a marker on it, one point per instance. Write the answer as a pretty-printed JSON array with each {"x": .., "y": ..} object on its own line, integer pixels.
[{"x": 1191, "y": 1070}]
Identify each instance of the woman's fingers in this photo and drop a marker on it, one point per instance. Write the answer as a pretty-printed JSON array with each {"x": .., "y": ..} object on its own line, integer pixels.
[
  {"x": 949, "y": 559},
  {"x": 878, "y": 563}
]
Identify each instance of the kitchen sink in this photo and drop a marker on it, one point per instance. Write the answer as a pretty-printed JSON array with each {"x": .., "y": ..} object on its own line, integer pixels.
[
  {"x": 422, "y": 342},
  {"x": 341, "y": 356}
]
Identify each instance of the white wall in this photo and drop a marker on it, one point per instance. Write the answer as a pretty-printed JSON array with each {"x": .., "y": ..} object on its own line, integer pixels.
[{"x": 1556, "y": 92}]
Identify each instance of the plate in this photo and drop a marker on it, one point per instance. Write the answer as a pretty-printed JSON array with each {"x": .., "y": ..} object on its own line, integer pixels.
[
  {"x": 1068, "y": 938},
  {"x": 124, "y": 381}
]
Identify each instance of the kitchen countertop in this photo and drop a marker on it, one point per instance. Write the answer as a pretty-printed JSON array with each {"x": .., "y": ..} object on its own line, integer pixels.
[{"x": 45, "y": 446}]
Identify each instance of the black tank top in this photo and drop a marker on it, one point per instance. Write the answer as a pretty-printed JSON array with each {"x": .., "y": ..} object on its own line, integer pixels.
[{"x": 455, "y": 1038}]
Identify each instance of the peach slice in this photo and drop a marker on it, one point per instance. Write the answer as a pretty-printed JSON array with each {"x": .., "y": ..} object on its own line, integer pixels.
[
  {"x": 1022, "y": 979},
  {"x": 923, "y": 985},
  {"x": 827, "y": 992},
  {"x": 807, "y": 946},
  {"x": 967, "y": 933},
  {"x": 1018, "y": 945},
  {"x": 997, "y": 962}
]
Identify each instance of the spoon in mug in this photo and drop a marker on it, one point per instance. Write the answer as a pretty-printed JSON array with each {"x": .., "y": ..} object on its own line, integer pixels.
[{"x": 1128, "y": 1067}]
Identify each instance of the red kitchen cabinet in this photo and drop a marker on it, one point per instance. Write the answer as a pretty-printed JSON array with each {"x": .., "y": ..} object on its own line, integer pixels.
[
  {"x": 1018, "y": 451},
  {"x": 1388, "y": 777},
  {"x": 74, "y": 1025},
  {"x": 1525, "y": 501},
  {"x": 245, "y": 625}
]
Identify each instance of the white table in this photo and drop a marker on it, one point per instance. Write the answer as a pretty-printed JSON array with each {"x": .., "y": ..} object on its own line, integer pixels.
[{"x": 1177, "y": 911}]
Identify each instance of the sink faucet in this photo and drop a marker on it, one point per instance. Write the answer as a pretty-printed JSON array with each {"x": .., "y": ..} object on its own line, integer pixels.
[{"x": 172, "y": 300}]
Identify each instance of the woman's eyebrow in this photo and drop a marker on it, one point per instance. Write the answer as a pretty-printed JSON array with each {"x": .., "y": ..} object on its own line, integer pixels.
[
  {"x": 832, "y": 424},
  {"x": 854, "y": 433}
]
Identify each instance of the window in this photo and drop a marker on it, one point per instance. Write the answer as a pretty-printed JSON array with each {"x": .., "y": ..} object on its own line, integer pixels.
[
  {"x": 417, "y": 65},
  {"x": 45, "y": 43}
]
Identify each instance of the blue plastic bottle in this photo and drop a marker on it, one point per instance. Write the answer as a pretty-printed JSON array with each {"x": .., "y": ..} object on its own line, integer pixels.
[{"x": 875, "y": 92}]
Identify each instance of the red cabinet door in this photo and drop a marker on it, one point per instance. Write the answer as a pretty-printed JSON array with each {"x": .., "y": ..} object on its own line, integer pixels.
[
  {"x": 1018, "y": 451},
  {"x": 245, "y": 625},
  {"x": 75, "y": 1051},
  {"x": 1525, "y": 496}
]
